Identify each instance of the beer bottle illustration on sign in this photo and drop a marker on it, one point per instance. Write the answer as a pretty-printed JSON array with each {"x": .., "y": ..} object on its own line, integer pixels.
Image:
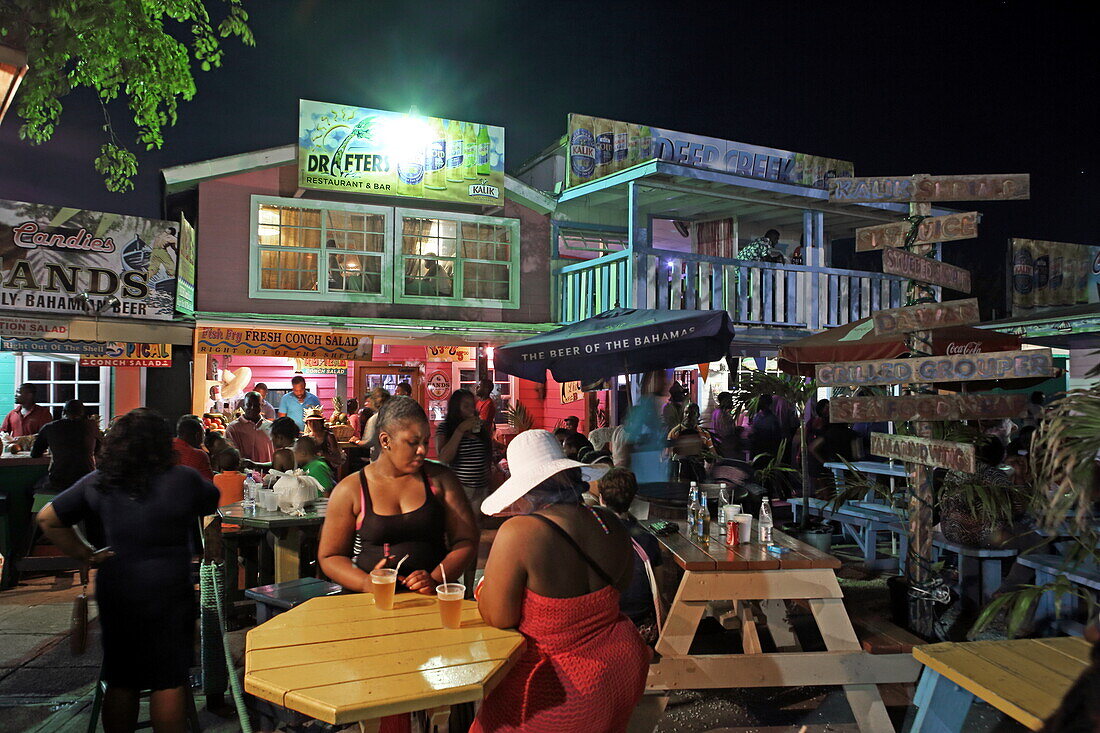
[
  {"x": 582, "y": 149},
  {"x": 469, "y": 162},
  {"x": 410, "y": 161},
  {"x": 605, "y": 147},
  {"x": 456, "y": 147},
  {"x": 435, "y": 156},
  {"x": 483, "y": 148},
  {"x": 622, "y": 145}
]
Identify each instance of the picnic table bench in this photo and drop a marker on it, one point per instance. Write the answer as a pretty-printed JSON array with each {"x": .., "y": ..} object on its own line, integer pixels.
[
  {"x": 1024, "y": 678},
  {"x": 752, "y": 576},
  {"x": 891, "y": 470},
  {"x": 980, "y": 568},
  {"x": 863, "y": 524},
  {"x": 1047, "y": 568}
]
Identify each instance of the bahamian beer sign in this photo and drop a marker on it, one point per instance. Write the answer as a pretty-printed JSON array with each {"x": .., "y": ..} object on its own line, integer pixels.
[
  {"x": 991, "y": 187},
  {"x": 925, "y": 451},
  {"x": 927, "y": 408},
  {"x": 925, "y": 370},
  {"x": 931, "y": 230},
  {"x": 360, "y": 150},
  {"x": 66, "y": 261},
  {"x": 598, "y": 147}
]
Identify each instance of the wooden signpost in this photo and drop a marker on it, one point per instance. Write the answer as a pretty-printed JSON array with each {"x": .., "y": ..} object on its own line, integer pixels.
[
  {"x": 928, "y": 369},
  {"x": 925, "y": 451},
  {"x": 915, "y": 267},
  {"x": 925, "y": 188},
  {"x": 920, "y": 451},
  {"x": 928, "y": 408},
  {"x": 931, "y": 230},
  {"x": 926, "y": 316}
]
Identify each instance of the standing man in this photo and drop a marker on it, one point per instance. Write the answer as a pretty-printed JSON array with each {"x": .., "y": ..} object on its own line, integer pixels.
[
  {"x": 403, "y": 388},
  {"x": 249, "y": 434},
  {"x": 266, "y": 408},
  {"x": 297, "y": 401},
  {"x": 188, "y": 446},
  {"x": 72, "y": 443},
  {"x": 763, "y": 249},
  {"x": 486, "y": 408},
  {"x": 28, "y": 417},
  {"x": 765, "y": 432},
  {"x": 673, "y": 412},
  {"x": 378, "y": 397}
]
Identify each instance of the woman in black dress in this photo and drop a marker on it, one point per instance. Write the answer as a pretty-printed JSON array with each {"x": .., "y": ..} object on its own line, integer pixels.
[
  {"x": 402, "y": 503},
  {"x": 148, "y": 510}
]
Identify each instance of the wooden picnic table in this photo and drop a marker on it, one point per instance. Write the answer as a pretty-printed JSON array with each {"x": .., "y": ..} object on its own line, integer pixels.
[
  {"x": 341, "y": 660},
  {"x": 1023, "y": 678},
  {"x": 288, "y": 532},
  {"x": 892, "y": 470},
  {"x": 754, "y": 577}
]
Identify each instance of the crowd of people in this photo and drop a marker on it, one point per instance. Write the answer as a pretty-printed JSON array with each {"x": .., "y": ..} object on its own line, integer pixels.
[{"x": 571, "y": 569}]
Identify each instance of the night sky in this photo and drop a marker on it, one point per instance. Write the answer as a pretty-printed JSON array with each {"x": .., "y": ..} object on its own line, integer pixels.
[{"x": 960, "y": 87}]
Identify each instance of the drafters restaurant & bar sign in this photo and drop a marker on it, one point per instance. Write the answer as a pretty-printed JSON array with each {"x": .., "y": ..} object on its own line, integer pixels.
[
  {"x": 361, "y": 150},
  {"x": 51, "y": 255}
]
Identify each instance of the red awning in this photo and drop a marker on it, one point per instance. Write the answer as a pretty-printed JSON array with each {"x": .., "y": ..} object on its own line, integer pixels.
[{"x": 857, "y": 341}]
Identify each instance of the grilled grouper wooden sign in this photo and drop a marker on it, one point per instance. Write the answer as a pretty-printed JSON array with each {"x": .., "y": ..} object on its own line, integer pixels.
[{"x": 928, "y": 369}]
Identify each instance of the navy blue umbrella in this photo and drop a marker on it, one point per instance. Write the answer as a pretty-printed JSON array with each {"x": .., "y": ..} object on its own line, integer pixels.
[{"x": 619, "y": 341}]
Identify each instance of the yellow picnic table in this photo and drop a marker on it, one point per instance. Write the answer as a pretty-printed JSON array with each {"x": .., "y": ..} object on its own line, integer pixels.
[
  {"x": 342, "y": 660},
  {"x": 1023, "y": 678}
]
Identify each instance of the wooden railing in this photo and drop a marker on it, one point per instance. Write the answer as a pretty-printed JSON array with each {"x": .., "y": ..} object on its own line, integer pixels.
[{"x": 754, "y": 293}]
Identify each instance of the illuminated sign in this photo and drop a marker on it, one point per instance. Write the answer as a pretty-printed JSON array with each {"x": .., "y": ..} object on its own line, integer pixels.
[
  {"x": 120, "y": 353},
  {"x": 295, "y": 344},
  {"x": 360, "y": 150}
]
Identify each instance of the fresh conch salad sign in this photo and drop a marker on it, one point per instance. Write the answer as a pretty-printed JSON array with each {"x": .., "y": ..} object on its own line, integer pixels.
[
  {"x": 360, "y": 150},
  {"x": 597, "y": 147},
  {"x": 68, "y": 261}
]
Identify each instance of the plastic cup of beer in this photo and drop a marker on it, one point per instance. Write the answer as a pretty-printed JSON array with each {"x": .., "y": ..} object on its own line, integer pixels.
[
  {"x": 450, "y": 597},
  {"x": 744, "y": 528},
  {"x": 383, "y": 582}
]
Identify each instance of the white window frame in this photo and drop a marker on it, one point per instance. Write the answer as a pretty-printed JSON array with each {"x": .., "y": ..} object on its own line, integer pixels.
[
  {"x": 106, "y": 396},
  {"x": 322, "y": 292},
  {"x": 458, "y": 299}
]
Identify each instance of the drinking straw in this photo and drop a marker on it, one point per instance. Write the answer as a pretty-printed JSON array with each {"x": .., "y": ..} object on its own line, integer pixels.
[
  {"x": 444, "y": 571},
  {"x": 397, "y": 570}
]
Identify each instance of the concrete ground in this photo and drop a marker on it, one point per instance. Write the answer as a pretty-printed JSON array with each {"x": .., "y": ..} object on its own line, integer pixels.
[{"x": 45, "y": 689}]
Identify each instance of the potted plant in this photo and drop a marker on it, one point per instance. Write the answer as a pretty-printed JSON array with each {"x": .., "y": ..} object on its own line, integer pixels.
[{"x": 797, "y": 392}]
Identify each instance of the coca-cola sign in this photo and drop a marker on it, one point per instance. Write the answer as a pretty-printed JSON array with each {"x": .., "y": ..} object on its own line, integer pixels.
[{"x": 970, "y": 347}]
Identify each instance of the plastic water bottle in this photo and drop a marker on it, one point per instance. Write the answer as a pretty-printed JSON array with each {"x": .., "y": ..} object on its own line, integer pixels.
[
  {"x": 703, "y": 523},
  {"x": 765, "y": 521},
  {"x": 248, "y": 497}
]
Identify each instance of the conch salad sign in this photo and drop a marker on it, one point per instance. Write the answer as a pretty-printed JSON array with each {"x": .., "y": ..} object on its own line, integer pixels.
[
  {"x": 598, "y": 147},
  {"x": 360, "y": 150},
  {"x": 1049, "y": 275},
  {"x": 74, "y": 262}
]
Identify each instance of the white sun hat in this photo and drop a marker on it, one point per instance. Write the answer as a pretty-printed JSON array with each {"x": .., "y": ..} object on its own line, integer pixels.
[{"x": 533, "y": 457}]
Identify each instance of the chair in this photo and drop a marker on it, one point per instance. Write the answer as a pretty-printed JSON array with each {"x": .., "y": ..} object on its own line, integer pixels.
[
  {"x": 42, "y": 563},
  {"x": 101, "y": 689}
]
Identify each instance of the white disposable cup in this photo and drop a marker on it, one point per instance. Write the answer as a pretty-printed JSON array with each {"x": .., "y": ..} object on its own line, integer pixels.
[
  {"x": 744, "y": 528},
  {"x": 384, "y": 582}
]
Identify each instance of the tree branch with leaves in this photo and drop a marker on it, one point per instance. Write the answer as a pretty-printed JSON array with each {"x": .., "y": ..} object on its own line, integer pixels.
[{"x": 128, "y": 49}]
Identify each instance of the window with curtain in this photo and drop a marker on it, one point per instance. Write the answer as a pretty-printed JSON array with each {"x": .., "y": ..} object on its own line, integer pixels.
[
  {"x": 458, "y": 258},
  {"x": 320, "y": 248},
  {"x": 715, "y": 238}
]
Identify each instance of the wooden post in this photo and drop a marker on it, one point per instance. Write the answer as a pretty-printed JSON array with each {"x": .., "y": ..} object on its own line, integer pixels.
[{"x": 920, "y": 477}]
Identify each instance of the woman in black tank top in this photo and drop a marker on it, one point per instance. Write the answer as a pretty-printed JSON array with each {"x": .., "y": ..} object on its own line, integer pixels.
[{"x": 417, "y": 509}]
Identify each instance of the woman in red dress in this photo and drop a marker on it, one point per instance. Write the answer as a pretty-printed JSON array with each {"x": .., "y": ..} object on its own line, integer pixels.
[{"x": 585, "y": 664}]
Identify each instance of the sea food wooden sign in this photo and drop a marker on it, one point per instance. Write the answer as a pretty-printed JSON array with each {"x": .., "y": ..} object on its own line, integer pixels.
[
  {"x": 927, "y": 408},
  {"x": 931, "y": 230},
  {"x": 925, "y": 269},
  {"x": 926, "y": 316},
  {"x": 925, "y": 451},
  {"x": 989, "y": 187},
  {"x": 925, "y": 370}
]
